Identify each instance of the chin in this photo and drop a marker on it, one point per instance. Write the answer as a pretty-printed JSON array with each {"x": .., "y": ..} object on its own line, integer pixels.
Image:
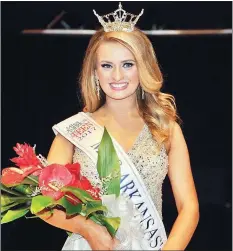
[{"x": 119, "y": 96}]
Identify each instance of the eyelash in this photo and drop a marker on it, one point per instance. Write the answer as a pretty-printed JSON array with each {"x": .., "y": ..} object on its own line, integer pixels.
[{"x": 104, "y": 65}]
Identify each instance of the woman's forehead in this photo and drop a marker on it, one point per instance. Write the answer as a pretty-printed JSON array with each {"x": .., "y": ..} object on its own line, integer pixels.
[{"x": 109, "y": 50}]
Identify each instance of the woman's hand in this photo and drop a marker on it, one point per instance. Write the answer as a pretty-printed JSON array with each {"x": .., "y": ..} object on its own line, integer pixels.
[
  {"x": 99, "y": 239},
  {"x": 97, "y": 236}
]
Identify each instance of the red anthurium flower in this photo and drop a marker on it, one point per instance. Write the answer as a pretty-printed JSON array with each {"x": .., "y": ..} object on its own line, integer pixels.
[
  {"x": 11, "y": 176},
  {"x": 52, "y": 179},
  {"x": 75, "y": 182},
  {"x": 83, "y": 183},
  {"x": 74, "y": 169},
  {"x": 72, "y": 198},
  {"x": 38, "y": 172},
  {"x": 80, "y": 181},
  {"x": 34, "y": 170}
]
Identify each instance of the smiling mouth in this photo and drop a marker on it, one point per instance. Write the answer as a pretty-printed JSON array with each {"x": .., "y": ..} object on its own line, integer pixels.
[{"x": 119, "y": 86}]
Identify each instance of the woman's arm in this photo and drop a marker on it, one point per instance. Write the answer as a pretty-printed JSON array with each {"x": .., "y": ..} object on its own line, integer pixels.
[
  {"x": 184, "y": 191},
  {"x": 61, "y": 152}
]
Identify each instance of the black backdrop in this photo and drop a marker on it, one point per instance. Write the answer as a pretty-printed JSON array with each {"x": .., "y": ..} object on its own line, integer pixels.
[{"x": 39, "y": 89}]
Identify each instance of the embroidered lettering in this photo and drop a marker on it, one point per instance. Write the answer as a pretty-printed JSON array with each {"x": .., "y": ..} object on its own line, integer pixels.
[
  {"x": 148, "y": 223},
  {"x": 123, "y": 177},
  {"x": 129, "y": 185},
  {"x": 144, "y": 211},
  {"x": 134, "y": 194},
  {"x": 151, "y": 233},
  {"x": 146, "y": 218},
  {"x": 139, "y": 204},
  {"x": 159, "y": 240}
]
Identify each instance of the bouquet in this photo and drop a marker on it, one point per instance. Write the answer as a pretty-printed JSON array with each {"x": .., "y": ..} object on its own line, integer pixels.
[{"x": 36, "y": 187}]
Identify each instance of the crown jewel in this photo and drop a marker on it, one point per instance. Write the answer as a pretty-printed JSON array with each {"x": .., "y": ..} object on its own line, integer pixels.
[{"x": 119, "y": 22}]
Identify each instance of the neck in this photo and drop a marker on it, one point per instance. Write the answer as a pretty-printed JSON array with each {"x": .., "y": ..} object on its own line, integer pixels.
[{"x": 121, "y": 108}]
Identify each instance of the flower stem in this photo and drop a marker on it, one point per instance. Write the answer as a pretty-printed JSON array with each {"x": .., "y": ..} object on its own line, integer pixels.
[
  {"x": 8, "y": 190},
  {"x": 67, "y": 196},
  {"x": 32, "y": 179},
  {"x": 22, "y": 198}
]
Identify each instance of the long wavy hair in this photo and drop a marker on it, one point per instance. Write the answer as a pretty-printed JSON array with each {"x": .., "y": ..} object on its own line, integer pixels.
[{"x": 157, "y": 109}]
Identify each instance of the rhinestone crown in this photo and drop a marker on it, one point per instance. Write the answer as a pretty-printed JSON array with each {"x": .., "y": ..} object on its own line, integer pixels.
[{"x": 119, "y": 22}]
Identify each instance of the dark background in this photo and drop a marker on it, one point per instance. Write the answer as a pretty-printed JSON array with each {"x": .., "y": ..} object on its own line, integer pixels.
[{"x": 39, "y": 89}]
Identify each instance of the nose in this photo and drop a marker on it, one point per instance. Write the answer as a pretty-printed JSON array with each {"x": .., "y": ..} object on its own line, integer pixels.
[{"x": 117, "y": 74}]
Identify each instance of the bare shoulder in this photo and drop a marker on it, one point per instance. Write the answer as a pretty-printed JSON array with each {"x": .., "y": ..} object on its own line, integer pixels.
[
  {"x": 176, "y": 130},
  {"x": 61, "y": 140},
  {"x": 176, "y": 136}
]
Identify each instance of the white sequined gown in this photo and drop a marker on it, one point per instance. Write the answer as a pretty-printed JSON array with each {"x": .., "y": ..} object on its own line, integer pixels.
[{"x": 151, "y": 166}]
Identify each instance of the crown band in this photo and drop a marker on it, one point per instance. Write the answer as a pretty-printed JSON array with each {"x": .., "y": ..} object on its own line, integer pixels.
[{"x": 119, "y": 22}]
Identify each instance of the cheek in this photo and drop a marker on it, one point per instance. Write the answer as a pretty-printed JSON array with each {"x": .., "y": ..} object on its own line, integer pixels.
[
  {"x": 104, "y": 75},
  {"x": 133, "y": 75}
]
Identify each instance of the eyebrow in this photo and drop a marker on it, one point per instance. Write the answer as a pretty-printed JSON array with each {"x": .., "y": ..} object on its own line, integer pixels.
[{"x": 106, "y": 61}]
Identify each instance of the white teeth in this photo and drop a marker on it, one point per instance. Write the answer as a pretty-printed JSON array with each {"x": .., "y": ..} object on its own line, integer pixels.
[{"x": 118, "y": 85}]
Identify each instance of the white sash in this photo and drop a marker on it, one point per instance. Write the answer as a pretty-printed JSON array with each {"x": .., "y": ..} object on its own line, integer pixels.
[{"x": 86, "y": 134}]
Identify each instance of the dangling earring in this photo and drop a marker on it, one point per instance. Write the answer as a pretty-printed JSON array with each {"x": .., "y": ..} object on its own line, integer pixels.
[
  {"x": 143, "y": 94},
  {"x": 97, "y": 86}
]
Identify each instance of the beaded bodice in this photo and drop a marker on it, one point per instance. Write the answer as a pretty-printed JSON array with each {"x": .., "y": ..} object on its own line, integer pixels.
[{"x": 151, "y": 166}]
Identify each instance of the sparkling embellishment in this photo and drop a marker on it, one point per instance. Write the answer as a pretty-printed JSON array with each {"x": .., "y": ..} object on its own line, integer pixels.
[
  {"x": 42, "y": 160},
  {"x": 151, "y": 166},
  {"x": 119, "y": 22}
]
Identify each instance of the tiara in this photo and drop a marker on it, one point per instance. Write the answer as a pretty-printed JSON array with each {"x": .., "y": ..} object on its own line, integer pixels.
[{"x": 119, "y": 22}]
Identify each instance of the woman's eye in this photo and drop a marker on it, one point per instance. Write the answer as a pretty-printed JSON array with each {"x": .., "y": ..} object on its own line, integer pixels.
[
  {"x": 106, "y": 65},
  {"x": 127, "y": 65}
]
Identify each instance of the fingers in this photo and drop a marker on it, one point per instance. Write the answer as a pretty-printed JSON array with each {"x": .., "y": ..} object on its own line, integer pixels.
[{"x": 44, "y": 214}]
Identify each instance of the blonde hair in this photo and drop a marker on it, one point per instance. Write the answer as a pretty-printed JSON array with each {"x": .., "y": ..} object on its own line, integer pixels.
[{"x": 158, "y": 109}]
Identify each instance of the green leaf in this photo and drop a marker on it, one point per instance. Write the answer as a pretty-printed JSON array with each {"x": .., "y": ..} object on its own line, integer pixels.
[
  {"x": 46, "y": 213},
  {"x": 24, "y": 189},
  {"x": 41, "y": 202},
  {"x": 7, "y": 200},
  {"x": 12, "y": 215},
  {"x": 70, "y": 208},
  {"x": 93, "y": 207},
  {"x": 108, "y": 165},
  {"x": 114, "y": 187},
  {"x": 6, "y": 208},
  {"x": 69, "y": 233},
  {"x": 112, "y": 224},
  {"x": 94, "y": 217},
  {"x": 2, "y": 214},
  {"x": 79, "y": 193},
  {"x": 9, "y": 190}
]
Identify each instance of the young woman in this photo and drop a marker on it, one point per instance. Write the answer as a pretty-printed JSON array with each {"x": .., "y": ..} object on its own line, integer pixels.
[{"x": 120, "y": 83}]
